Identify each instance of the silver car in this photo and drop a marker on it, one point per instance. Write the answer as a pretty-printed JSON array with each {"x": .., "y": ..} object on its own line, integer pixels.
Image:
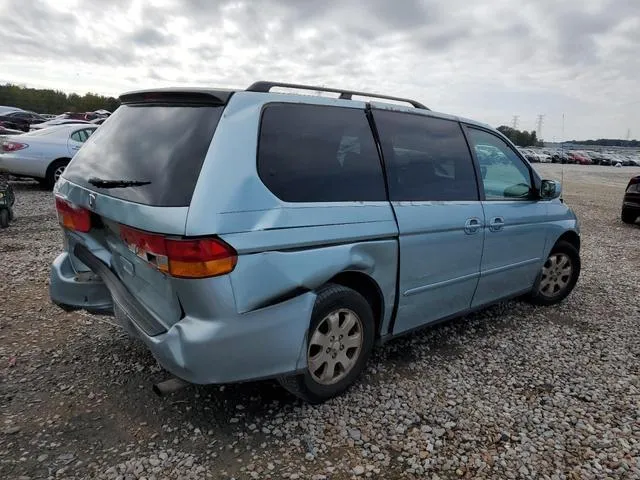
[{"x": 43, "y": 154}]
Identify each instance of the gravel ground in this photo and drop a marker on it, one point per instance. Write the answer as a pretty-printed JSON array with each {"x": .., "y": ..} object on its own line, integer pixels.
[{"x": 512, "y": 392}]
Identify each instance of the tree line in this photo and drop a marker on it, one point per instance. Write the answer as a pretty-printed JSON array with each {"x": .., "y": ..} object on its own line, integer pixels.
[
  {"x": 608, "y": 142},
  {"x": 53, "y": 101},
  {"x": 520, "y": 138},
  {"x": 529, "y": 139}
]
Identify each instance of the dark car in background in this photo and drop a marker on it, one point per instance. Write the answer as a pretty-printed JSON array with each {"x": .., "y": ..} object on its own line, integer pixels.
[
  {"x": 561, "y": 157},
  {"x": 86, "y": 116},
  {"x": 20, "y": 120},
  {"x": 631, "y": 201},
  {"x": 600, "y": 158},
  {"x": 9, "y": 131}
]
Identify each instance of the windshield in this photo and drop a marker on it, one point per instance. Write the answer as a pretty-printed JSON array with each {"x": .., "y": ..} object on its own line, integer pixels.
[{"x": 162, "y": 146}]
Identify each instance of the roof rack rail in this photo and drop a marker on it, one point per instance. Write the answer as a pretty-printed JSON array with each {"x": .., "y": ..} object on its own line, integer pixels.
[{"x": 266, "y": 87}]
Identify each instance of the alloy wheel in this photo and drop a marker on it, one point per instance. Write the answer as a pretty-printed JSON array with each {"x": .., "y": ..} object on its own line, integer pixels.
[
  {"x": 556, "y": 275},
  {"x": 335, "y": 346}
]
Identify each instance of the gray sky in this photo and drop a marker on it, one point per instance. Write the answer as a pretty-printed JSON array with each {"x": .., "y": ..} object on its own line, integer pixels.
[{"x": 484, "y": 59}]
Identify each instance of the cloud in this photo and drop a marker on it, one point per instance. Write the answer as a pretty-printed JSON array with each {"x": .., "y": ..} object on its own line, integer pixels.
[
  {"x": 150, "y": 37},
  {"x": 488, "y": 60}
]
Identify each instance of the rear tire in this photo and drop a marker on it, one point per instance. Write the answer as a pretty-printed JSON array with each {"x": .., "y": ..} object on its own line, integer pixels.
[
  {"x": 628, "y": 216},
  {"x": 4, "y": 218},
  {"x": 53, "y": 173},
  {"x": 558, "y": 276},
  {"x": 339, "y": 343}
]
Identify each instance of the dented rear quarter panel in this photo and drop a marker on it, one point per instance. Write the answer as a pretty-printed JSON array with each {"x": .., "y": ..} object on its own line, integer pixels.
[{"x": 285, "y": 248}]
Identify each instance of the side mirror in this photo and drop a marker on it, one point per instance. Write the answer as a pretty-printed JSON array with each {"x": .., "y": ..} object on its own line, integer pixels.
[{"x": 550, "y": 189}]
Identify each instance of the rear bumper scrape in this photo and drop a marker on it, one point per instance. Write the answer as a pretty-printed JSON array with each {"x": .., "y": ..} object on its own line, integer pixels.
[
  {"x": 71, "y": 293},
  {"x": 263, "y": 343},
  {"x": 121, "y": 296}
]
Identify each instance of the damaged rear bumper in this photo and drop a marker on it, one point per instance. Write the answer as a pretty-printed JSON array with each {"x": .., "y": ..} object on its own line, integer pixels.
[{"x": 263, "y": 343}]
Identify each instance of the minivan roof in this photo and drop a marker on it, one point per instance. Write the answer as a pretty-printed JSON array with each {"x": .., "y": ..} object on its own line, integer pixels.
[{"x": 222, "y": 96}]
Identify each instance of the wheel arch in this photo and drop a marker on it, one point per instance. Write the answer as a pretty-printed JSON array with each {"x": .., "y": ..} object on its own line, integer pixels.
[
  {"x": 368, "y": 288},
  {"x": 571, "y": 237},
  {"x": 48, "y": 175},
  {"x": 59, "y": 159}
]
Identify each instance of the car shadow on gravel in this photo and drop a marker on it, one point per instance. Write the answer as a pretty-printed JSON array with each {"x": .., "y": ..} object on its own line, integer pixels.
[
  {"x": 26, "y": 185},
  {"x": 441, "y": 340}
]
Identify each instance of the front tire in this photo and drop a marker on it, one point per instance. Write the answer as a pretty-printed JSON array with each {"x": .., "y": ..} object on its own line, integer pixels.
[
  {"x": 53, "y": 173},
  {"x": 628, "y": 216},
  {"x": 339, "y": 343},
  {"x": 558, "y": 276}
]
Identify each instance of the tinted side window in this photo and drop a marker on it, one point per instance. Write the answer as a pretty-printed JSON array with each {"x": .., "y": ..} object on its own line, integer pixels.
[
  {"x": 311, "y": 153},
  {"x": 79, "y": 136},
  {"x": 504, "y": 174},
  {"x": 427, "y": 158}
]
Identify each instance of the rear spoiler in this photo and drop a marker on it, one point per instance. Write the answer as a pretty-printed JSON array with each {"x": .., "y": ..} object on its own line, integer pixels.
[{"x": 183, "y": 96}]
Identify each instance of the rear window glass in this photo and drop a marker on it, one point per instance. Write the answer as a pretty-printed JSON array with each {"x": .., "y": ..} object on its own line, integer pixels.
[
  {"x": 161, "y": 144},
  {"x": 311, "y": 153}
]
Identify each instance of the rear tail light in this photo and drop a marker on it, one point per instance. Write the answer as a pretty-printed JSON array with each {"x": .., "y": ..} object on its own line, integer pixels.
[
  {"x": 8, "y": 146},
  {"x": 182, "y": 258},
  {"x": 72, "y": 216}
]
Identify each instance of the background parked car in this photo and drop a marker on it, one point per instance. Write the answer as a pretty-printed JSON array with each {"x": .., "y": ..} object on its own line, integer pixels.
[
  {"x": 544, "y": 157},
  {"x": 624, "y": 160},
  {"x": 635, "y": 161},
  {"x": 561, "y": 157},
  {"x": 9, "y": 131},
  {"x": 579, "y": 158},
  {"x": 6, "y": 109},
  {"x": 87, "y": 116},
  {"x": 600, "y": 158},
  {"x": 631, "y": 201},
  {"x": 586, "y": 156},
  {"x": 20, "y": 120},
  {"x": 58, "y": 121},
  {"x": 529, "y": 155},
  {"x": 43, "y": 154}
]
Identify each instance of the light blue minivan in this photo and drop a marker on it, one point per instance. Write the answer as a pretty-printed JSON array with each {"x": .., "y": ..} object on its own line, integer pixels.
[{"x": 257, "y": 234}]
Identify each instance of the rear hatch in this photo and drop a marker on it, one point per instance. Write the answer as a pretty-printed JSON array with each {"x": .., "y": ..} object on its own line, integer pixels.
[{"x": 125, "y": 195}]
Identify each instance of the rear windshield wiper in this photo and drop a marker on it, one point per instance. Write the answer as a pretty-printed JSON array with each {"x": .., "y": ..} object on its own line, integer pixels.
[{"x": 102, "y": 183}]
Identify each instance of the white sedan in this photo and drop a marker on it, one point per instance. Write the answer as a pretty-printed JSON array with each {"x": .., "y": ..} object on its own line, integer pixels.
[
  {"x": 43, "y": 154},
  {"x": 55, "y": 121}
]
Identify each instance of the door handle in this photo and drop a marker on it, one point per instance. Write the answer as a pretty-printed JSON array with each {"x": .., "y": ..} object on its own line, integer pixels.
[
  {"x": 75, "y": 147},
  {"x": 496, "y": 224},
  {"x": 472, "y": 225}
]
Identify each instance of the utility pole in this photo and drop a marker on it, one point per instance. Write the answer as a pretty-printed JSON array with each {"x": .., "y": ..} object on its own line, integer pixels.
[
  {"x": 514, "y": 122},
  {"x": 628, "y": 134},
  {"x": 539, "y": 128}
]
